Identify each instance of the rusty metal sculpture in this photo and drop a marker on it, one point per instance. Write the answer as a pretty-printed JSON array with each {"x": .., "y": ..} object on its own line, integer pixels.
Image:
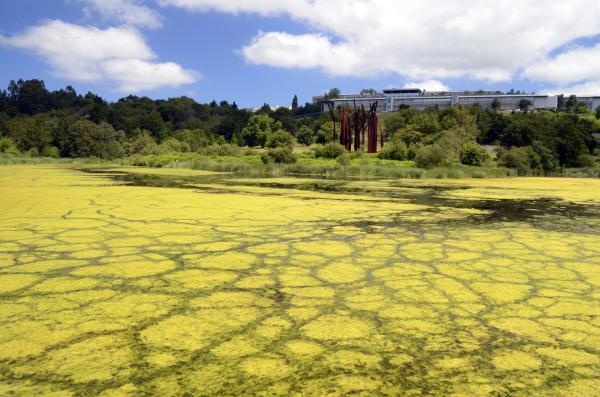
[
  {"x": 359, "y": 125},
  {"x": 372, "y": 126},
  {"x": 345, "y": 130}
]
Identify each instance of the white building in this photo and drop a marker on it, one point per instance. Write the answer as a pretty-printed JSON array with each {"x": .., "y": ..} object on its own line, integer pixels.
[{"x": 392, "y": 100}]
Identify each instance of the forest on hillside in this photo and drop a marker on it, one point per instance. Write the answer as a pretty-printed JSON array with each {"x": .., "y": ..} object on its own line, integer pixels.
[{"x": 35, "y": 121}]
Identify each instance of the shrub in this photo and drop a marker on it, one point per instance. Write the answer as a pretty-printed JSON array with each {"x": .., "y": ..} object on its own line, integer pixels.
[
  {"x": 220, "y": 150},
  {"x": 51, "y": 151},
  {"x": 413, "y": 150},
  {"x": 431, "y": 156},
  {"x": 394, "y": 150},
  {"x": 173, "y": 145},
  {"x": 283, "y": 155},
  {"x": 344, "y": 160},
  {"x": 330, "y": 150},
  {"x": 8, "y": 146},
  {"x": 473, "y": 154},
  {"x": 280, "y": 138},
  {"x": 409, "y": 136},
  {"x": 523, "y": 159},
  {"x": 144, "y": 144},
  {"x": 585, "y": 160},
  {"x": 325, "y": 133}
]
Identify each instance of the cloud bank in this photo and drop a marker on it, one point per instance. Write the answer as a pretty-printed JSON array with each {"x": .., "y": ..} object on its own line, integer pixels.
[
  {"x": 424, "y": 39},
  {"x": 118, "y": 55}
]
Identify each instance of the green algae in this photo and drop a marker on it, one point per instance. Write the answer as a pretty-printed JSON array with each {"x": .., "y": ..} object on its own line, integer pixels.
[{"x": 242, "y": 287}]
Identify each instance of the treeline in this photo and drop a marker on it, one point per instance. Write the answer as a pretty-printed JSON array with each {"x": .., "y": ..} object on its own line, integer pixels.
[
  {"x": 541, "y": 141},
  {"x": 63, "y": 123},
  {"x": 38, "y": 122}
]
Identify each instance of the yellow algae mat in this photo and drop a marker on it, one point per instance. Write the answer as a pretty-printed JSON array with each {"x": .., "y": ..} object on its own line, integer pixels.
[{"x": 467, "y": 288}]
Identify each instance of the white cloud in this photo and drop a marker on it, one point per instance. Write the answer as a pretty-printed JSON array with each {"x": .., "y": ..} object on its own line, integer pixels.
[
  {"x": 429, "y": 85},
  {"x": 90, "y": 54},
  {"x": 575, "y": 65},
  {"x": 128, "y": 12},
  {"x": 417, "y": 39},
  {"x": 139, "y": 75},
  {"x": 300, "y": 51}
]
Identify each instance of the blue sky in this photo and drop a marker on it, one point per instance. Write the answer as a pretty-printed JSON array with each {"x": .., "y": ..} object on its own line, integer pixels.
[{"x": 266, "y": 51}]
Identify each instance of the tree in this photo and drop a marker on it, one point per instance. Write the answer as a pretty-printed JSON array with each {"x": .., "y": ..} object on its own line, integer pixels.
[
  {"x": 31, "y": 134},
  {"x": 332, "y": 94},
  {"x": 571, "y": 103},
  {"x": 280, "y": 138},
  {"x": 295, "y": 103},
  {"x": 90, "y": 139},
  {"x": 598, "y": 112},
  {"x": 496, "y": 104},
  {"x": 258, "y": 128},
  {"x": 459, "y": 118},
  {"x": 368, "y": 91},
  {"x": 325, "y": 133},
  {"x": 473, "y": 154},
  {"x": 305, "y": 136},
  {"x": 525, "y": 104},
  {"x": 523, "y": 159}
]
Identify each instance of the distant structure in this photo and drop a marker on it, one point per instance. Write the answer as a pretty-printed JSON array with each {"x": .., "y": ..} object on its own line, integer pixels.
[{"x": 392, "y": 100}]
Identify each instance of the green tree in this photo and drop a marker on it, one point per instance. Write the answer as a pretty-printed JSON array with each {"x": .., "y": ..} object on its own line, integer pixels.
[
  {"x": 295, "y": 103},
  {"x": 90, "y": 139},
  {"x": 332, "y": 94},
  {"x": 280, "y": 138},
  {"x": 598, "y": 112},
  {"x": 523, "y": 159},
  {"x": 525, "y": 104},
  {"x": 496, "y": 104},
  {"x": 7, "y": 146},
  {"x": 473, "y": 154},
  {"x": 460, "y": 118},
  {"x": 305, "y": 136},
  {"x": 368, "y": 91},
  {"x": 259, "y": 126},
  {"x": 31, "y": 134},
  {"x": 325, "y": 133},
  {"x": 571, "y": 103}
]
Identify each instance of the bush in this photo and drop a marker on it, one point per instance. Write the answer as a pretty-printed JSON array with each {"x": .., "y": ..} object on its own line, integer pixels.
[
  {"x": 51, "y": 151},
  {"x": 283, "y": 155},
  {"x": 523, "y": 159},
  {"x": 394, "y": 150},
  {"x": 330, "y": 150},
  {"x": 325, "y": 133},
  {"x": 280, "y": 138},
  {"x": 344, "y": 160},
  {"x": 221, "y": 150},
  {"x": 409, "y": 136},
  {"x": 8, "y": 146},
  {"x": 585, "y": 161},
  {"x": 431, "y": 156},
  {"x": 173, "y": 145},
  {"x": 473, "y": 154}
]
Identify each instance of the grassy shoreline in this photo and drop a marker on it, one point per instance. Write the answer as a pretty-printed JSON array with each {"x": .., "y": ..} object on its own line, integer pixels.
[{"x": 364, "y": 167}]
